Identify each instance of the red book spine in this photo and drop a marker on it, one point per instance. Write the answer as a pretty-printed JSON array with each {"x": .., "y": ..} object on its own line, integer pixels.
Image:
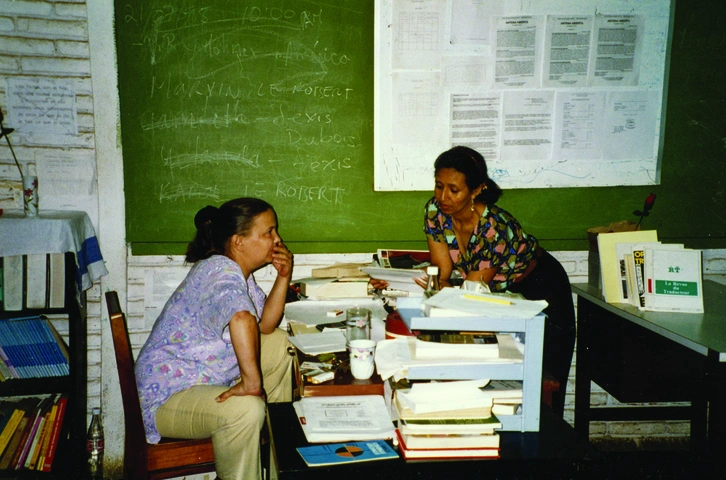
[{"x": 55, "y": 434}]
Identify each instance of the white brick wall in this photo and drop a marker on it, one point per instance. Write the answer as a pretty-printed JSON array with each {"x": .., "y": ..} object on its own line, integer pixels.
[{"x": 50, "y": 40}]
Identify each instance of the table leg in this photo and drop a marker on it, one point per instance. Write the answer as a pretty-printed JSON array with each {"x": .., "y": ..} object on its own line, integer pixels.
[{"x": 582, "y": 370}]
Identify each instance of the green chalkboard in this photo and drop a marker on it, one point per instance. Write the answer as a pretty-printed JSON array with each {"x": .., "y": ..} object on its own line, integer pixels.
[{"x": 228, "y": 98}]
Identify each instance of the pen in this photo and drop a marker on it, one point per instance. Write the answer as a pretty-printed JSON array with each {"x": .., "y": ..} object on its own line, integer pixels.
[{"x": 500, "y": 301}]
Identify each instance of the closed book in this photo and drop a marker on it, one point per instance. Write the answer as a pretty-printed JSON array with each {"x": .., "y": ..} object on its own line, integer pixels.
[
  {"x": 9, "y": 429},
  {"x": 349, "y": 452},
  {"x": 14, "y": 446},
  {"x": 673, "y": 279},
  {"x": 405, "y": 413},
  {"x": 13, "y": 351},
  {"x": 448, "y": 442},
  {"x": 340, "y": 270},
  {"x": 47, "y": 434},
  {"x": 26, "y": 347},
  {"x": 36, "y": 416},
  {"x": 13, "y": 273},
  {"x": 36, "y": 278},
  {"x": 443, "y": 453},
  {"x": 609, "y": 264},
  {"x": 451, "y": 426},
  {"x": 57, "y": 280},
  {"x": 55, "y": 434},
  {"x": 57, "y": 345},
  {"x": 337, "y": 289}
]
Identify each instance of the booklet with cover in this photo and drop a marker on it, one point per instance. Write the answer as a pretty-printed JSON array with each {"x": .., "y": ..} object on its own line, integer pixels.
[{"x": 349, "y": 452}]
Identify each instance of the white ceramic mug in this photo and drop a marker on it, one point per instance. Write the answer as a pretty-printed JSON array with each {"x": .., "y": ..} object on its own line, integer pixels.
[{"x": 362, "y": 354}]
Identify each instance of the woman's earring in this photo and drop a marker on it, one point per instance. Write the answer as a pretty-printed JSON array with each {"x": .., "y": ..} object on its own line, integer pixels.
[{"x": 472, "y": 204}]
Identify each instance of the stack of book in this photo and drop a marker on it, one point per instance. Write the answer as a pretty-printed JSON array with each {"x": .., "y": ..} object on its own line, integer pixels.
[
  {"x": 30, "y": 429},
  {"x": 340, "y": 280},
  {"x": 33, "y": 281},
  {"x": 30, "y": 347},
  {"x": 446, "y": 420},
  {"x": 638, "y": 269}
]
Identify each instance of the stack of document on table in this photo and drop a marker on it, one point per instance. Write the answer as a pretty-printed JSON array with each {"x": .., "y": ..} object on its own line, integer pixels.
[
  {"x": 344, "y": 418},
  {"x": 446, "y": 420},
  {"x": 400, "y": 268},
  {"x": 650, "y": 275}
]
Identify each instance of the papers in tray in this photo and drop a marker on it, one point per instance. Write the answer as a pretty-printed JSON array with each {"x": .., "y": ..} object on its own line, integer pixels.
[
  {"x": 453, "y": 302},
  {"x": 344, "y": 418},
  {"x": 395, "y": 358},
  {"x": 440, "y": 397},
  {"x": 317, "y": 343}
]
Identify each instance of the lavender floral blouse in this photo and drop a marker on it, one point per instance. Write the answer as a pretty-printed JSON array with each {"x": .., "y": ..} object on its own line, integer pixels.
[
  {"x": 190, "y": 342},
  {"x": 498, "y": 241}
]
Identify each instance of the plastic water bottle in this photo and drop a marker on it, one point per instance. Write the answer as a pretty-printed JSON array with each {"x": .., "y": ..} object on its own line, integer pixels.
[{"x": 94, "y": 445}]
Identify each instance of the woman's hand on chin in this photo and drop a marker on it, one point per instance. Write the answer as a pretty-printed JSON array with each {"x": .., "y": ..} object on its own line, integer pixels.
[{"x": 282, "y": 260}]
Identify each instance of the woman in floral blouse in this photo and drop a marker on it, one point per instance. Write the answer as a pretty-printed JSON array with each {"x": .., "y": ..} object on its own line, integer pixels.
[
  {"x": 215, "y": 352},
  {"x": 467, "y": 231}
]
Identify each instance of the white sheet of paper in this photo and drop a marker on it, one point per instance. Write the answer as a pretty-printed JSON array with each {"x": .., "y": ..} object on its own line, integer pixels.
[{"x": 316, "y": 343}]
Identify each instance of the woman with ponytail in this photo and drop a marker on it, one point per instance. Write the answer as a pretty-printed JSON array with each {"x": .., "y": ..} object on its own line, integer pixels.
[
  {"x": 467, "y": 231},
  {"x": 215, "y": 354}
]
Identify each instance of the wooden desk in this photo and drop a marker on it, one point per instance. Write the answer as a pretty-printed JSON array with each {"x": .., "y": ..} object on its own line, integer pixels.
[
  {"x": 641, "y": 356},
  {"x": 556, "y": 451}
]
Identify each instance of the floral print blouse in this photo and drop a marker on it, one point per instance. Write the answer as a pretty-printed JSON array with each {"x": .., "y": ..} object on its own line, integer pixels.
[
  {"x": 497, "y": 241},
  {"x": 190, "y": 342}
]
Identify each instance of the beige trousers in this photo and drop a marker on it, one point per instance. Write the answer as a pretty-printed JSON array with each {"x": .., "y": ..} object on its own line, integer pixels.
[{"x": 234, "y": 424}]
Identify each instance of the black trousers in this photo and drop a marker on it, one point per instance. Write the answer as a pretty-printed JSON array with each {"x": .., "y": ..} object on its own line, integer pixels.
[{"x": 549, "y": 281}]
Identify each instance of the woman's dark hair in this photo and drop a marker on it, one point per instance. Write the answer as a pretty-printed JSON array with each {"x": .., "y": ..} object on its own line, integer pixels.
[
  {"x": 471, "y": 164},
  {"x": 215, "y": 226}
]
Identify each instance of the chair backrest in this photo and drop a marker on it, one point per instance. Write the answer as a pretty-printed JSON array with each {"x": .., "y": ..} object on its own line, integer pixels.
[{"x": 135, "y": 446}]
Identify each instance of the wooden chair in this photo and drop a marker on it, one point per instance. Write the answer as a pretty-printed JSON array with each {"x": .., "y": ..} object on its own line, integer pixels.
[{"x": 170, "y": 457}]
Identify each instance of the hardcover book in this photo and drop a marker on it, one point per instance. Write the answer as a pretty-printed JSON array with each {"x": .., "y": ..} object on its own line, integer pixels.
[{"x": 409, "y": 453}]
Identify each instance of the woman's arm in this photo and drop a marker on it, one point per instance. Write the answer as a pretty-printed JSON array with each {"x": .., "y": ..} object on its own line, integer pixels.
[
  {"x": 245, "y": 336},
  {"x": 441, "y": 258},
  {"x": 275, "y": 303},
  {"x": 484, "y": 276}
]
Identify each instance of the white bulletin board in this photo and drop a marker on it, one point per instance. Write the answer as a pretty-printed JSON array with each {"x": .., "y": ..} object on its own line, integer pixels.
[{"x": 553, "y": 93}]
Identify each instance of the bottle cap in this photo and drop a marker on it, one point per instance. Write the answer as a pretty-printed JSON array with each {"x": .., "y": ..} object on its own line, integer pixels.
[{"x": 432, "y": 270}]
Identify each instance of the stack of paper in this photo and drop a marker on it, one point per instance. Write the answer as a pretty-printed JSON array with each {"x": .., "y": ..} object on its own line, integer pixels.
[
  {"x": 344, "y": 418},
  {"x": 317, "y": 343},
  {"x": 454, "y": 302},
  {"x": 397, "y": 359}
]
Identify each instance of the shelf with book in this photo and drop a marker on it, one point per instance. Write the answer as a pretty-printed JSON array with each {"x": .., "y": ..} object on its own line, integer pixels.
[
  {"x": 528, "y": 371},
  {"x": 70, "y": 435}
]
